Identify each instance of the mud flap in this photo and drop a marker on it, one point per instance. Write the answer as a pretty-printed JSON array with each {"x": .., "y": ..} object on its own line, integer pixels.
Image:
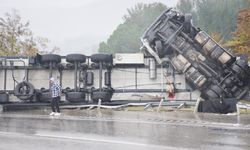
[{"x": 218, "y": 106}]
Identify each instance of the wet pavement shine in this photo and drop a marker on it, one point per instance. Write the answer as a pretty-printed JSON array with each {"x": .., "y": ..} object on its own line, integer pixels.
[{"x": 122, "y": 130}]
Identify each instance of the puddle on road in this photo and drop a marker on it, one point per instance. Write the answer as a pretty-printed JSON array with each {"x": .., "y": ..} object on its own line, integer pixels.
[{"x": 242, "y": 119}]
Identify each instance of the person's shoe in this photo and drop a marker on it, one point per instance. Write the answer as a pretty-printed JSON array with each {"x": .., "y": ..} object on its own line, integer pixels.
[
  {"x": 57, "y": 114},
  {"x": 52, "y": 114}
]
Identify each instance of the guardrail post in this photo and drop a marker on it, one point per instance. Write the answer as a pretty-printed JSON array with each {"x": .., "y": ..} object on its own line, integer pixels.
[
  {"x": 158, "y": 109},
  {"x": 197, "y": 105},
  {"x": 99, "y": 104}
]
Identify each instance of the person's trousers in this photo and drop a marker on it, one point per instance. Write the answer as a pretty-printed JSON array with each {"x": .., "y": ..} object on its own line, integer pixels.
[{"x": 55, "y": 104}]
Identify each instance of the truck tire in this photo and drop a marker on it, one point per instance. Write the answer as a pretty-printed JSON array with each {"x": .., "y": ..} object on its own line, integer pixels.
[
  {"x": 71, "y": 58},
  {"x": 211, "y": 94},
  {"x": 104, "y": 96},
  {"x": 44, "y": 97},
  {"x": 68, "y": 89},
  {"x": 44, "y": 90},
  {"x": 107, "y": 58},
  {"x": 214, "y": 92},
  {"x": 24, "y": 90},
  {"x": 243, "y": 65},
  {"x": 50, "y": 58},
  {"x": 216, "y": 53},
  {"x": 239, "y": 71},
  {"x": 216, "y": 89},
  {"x": 236, "y": 68},
  {"x": 75, "y": 96}
]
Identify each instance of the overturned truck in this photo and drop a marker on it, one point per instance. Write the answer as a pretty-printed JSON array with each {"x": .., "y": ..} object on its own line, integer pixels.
[{"x": 221, "y": 77}]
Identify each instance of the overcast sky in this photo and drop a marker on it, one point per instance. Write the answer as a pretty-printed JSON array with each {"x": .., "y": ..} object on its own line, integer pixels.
[{"x": 74, "y": 25}]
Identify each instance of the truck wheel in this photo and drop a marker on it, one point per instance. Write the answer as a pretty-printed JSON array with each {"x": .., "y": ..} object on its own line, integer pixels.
[
  {"x": 239, "y": 71},
  {"x": 24, "y": 90},
  {"x": 243, "y": 65},
  {"x": 71, "y": 58},
  {"x": 45, "y": 97},
  {"x": 75, "y": 96},
  {"x": 67, "y": 89},
  {"x": 216, "y": 53},
  {"x": 104, "y": 96},
  {"x": 217, "y": 89},
  {"x": 236, "y": 68},
  {"x": 44, "y": 90},
  {"x": 214, "y": 92},
  {"x": 50, "y": 58},
  {"x": 108, "y": 58},
  {"x": 211, "y": 94}
]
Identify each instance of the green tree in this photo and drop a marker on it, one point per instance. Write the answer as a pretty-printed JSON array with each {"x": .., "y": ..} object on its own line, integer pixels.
[
  {"x": 240, "y": 43},
  {"x": 214, "y": 16},
  {"x": 126, "y": 37},
  {"x": 11, "y": 31},
  {"x": 185, "y": 6},
  {"x": 16, "y": 38}
]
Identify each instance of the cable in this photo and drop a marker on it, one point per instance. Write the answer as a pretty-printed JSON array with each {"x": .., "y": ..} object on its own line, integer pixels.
[
  {"x": 132, "y": 85},
  {"x": 141, "y": 72}
]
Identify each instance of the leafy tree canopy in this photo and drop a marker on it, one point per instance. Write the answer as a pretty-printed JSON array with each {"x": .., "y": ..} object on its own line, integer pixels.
[
  {"x": 126, "y": 37},
  {"x": 16, "y": 38},
  {"x": 218, "y": 16},
  {"x": 227, "y": 21},
  {"x": 240, "y": 43}
]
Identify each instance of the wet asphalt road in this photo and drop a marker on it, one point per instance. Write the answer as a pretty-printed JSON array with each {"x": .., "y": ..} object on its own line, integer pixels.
[{"x": 121, "y": 130}]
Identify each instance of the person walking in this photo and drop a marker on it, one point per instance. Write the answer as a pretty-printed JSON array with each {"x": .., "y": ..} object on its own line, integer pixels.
[{"x": 56, "y": 96}]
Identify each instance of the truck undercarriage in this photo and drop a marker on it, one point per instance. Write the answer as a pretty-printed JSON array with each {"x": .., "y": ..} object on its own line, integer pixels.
[{"x": 221, "y": 77}]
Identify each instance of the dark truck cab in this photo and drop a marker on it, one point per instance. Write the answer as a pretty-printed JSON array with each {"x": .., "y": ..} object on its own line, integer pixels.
[{"x": 221, "y": 77}]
